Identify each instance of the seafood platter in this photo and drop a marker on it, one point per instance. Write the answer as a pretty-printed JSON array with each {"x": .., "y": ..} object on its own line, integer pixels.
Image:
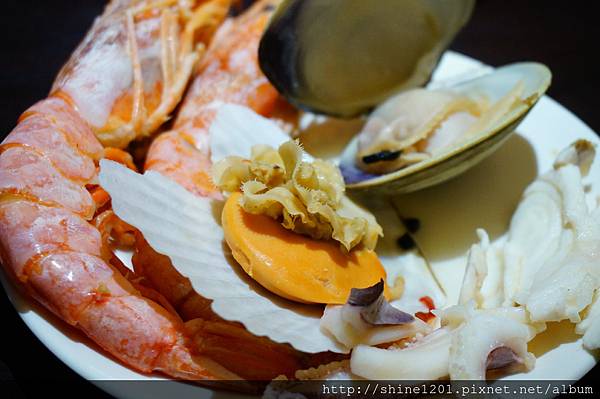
[{"x": 300, "y": 190}]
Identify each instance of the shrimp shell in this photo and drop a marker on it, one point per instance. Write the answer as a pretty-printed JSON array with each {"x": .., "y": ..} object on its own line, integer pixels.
[
  {"x": 133, "y": 66},
  {"x": 229, "y": 73},
  {"x": 48, "y": 245}
]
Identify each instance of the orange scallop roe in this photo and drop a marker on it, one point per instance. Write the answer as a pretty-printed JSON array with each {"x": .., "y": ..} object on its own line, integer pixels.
[{"x": 295, "y": 266}]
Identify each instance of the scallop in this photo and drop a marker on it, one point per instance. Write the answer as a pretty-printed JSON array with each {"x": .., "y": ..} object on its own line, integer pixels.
[
  {"x": 343, "y": 57},
  {"x": 422, "y": 137}
]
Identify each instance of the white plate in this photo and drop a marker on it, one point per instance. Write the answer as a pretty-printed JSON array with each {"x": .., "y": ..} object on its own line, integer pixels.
[{"x": 483, "y": 197}]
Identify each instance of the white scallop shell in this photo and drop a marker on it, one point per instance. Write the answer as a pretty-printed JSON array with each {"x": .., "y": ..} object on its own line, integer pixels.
[
  {"x": 237, "y": 128},
  {"x": 184, "y": 227}
]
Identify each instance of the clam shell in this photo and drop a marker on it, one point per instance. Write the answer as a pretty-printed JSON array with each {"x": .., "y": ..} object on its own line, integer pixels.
[
  {"x": 343, "y": 57},
  {"x": 535, "y": 79}
]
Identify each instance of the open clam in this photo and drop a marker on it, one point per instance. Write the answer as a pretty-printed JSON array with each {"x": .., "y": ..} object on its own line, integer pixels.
[
  {"x": 422, "y": 137},
  {"x": 344, "y": 57}
]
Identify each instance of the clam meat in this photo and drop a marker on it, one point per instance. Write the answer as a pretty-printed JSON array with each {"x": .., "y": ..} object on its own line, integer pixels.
[
  {"x": 421, "y": 137},
  {"x": 418, "y": 124}
]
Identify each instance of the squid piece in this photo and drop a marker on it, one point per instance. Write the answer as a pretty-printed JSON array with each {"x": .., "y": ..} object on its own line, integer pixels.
[
  {"x": 425, "y": 359},
  {"x": 589, "y": 327},
  {"x": 346, "y": 325},
  {"x": 553, "y": 246},
  {"x": 484, "y": 279},
  {"x": 488, "y": 340},
  {"x": 581, "y": 153},
  {"x": 549, "y": 265},
  {"x": 469, "y": 343},
  {"x": 367, "y": 318},
  {"x": 549, "y": 261}
]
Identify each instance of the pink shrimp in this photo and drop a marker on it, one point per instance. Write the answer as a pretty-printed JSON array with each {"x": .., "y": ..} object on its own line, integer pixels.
[
  {"x": 251, "y": 357},
  {"x": 47, "y": 245},
  {"x": 133, "y": 66},
  {"x": 228, "y": 73}
]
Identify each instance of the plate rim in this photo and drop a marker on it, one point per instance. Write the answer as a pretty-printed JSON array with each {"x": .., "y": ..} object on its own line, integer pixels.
[{"x": 40, "y": 321}]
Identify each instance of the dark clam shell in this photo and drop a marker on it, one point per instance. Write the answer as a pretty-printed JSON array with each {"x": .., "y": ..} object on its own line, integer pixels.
[{"x": 343, "y": 57}]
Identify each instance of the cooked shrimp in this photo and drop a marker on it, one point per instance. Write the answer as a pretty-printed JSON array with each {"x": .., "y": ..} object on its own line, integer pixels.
[
  {"x": 57, "y": 256},
  {"x": 228, "y": 74},
  {"x": 251, "y": 357},
  {"x": 47, "y": 163},
  {"x": 131, "y": 69}
]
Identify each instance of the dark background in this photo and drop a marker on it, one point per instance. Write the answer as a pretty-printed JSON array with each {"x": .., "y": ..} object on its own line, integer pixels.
[{"x": 36, "y": 37}]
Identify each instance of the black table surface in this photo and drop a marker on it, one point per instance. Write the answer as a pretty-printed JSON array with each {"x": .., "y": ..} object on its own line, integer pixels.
[{"x": 38, "y": 36}]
